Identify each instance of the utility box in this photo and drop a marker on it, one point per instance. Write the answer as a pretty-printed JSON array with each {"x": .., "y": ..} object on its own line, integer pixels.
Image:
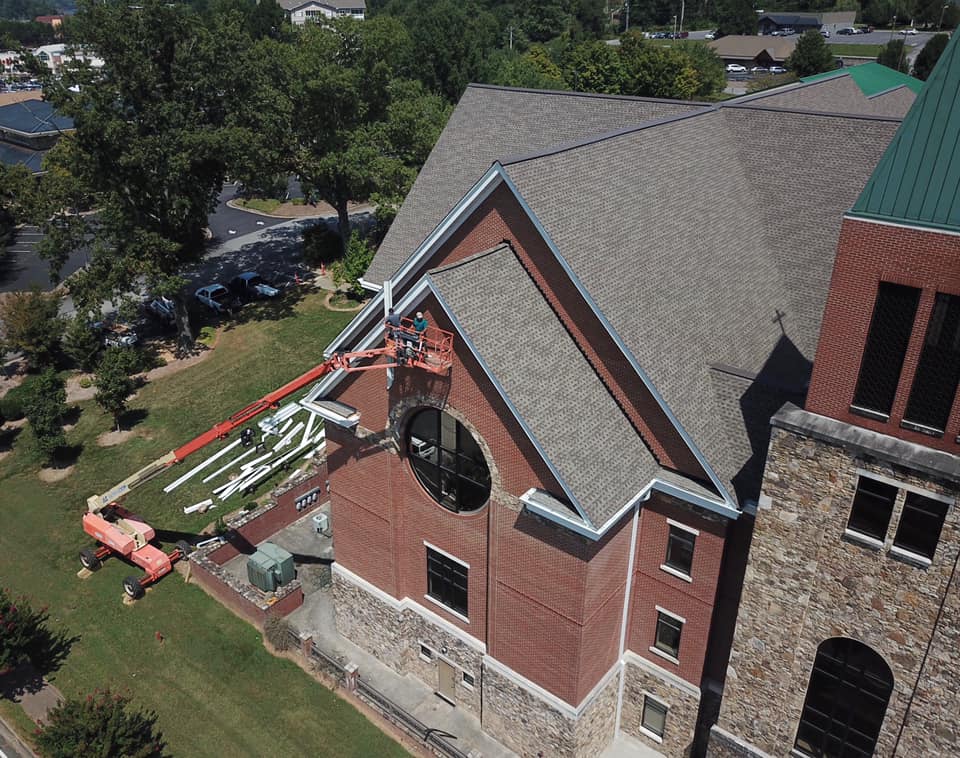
[
  {"x": 321, "y": 523},
  {"x": 262, "y": 571},
  {"x": 284, "y": 568}
]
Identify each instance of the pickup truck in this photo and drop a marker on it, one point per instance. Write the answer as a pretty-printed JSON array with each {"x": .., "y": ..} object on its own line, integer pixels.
[{"x": 251, "y": 286}]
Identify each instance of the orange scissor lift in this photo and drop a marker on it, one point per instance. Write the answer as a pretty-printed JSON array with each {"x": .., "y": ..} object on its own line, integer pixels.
[{"x": 117, "y": 531}]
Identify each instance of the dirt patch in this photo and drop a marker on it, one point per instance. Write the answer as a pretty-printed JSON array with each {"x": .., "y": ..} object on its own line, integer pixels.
[
  {"x": 76, "y": 393},
  {"x": 54, "y": 474},
  {"x": 16, "y": 424},
  {"x": 109, "y": 439}
]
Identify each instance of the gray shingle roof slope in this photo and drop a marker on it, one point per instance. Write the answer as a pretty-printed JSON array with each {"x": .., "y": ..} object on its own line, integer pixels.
[
  {"x": 590, "y": 443},
  {"x": 32, "y": 117},
  {"x": 839, "y": 94},
  {"x": 488, "y": 124},
  {"x": 14, "y": 155},
  {"x": 691, "y": 250}
]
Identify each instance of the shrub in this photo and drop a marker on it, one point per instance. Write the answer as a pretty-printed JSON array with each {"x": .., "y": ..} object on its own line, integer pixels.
[
  {"x": 277, "y": 631},
  {"x": 44, "y": 405},
  {"x": 85, "y": 382},
  {"x": 11, "y": 404},
  {"x": 103, "y": 723},
  {"x": 24, "y": 631},
  {"x": 113, "y": 383},
  {"x": 354, "y": 264},
  {"x": 81, "y": 343}
]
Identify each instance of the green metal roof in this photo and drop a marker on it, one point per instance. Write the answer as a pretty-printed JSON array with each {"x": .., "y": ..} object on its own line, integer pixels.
[
  {"x": 872, "y": 78},
  {"x": 917, "y": 180}
]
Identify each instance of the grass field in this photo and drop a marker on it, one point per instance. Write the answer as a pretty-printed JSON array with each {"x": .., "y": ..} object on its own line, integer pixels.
[
  {"x": 264, "y": 205},
  {"x": 216, "y": 689}
]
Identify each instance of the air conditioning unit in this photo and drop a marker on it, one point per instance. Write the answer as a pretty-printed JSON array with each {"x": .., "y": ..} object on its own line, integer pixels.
[{"x": 321, "y": 523}]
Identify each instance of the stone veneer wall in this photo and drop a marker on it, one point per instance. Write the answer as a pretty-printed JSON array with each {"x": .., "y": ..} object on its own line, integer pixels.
[
  {"x": 806, "y": 582},
  {"x": 528, "y": 725},
  {"x": 394, "y": 636},
  {"x": 681, "y": 718}
]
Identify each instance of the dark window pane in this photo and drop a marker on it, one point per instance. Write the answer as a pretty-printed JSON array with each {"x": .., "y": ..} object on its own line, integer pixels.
[
  {"x": 654, "y": 717},
  {"x": 846, "y": 701},
  {"x": 935, "y": 383},
  {"x": 447, "y": 461},
  {"x": 872, "y": 507},
  {"x": 920, "y": 525},
  {"x": 680, "y": 549},
  {"x": 447, "y": 581},
  {"x": 886, "y": 346},
  {"x": 668, "y": 634}
]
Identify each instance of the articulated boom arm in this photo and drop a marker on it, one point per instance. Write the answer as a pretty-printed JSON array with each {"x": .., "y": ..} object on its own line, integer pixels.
[{"x": 431, "y": 351}]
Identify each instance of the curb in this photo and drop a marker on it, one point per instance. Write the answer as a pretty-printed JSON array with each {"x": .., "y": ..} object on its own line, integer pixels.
[{"x": 331, "y": 214}]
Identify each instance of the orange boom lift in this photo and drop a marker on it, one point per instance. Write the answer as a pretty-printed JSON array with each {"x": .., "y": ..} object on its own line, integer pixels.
[{"x": 118, "y": 531}]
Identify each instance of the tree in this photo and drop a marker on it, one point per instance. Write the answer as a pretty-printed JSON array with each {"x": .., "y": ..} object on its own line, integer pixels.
[
  {"x": 16, "y": 187},
  {"x": 354, "y": 264},
  {"x": 709, "y": 67},
  {"x": 44, "y": 406},
  {"x": 102, "y": 724},
  {"x": 81, "y": 342},
  {"x": 735, "y": 17},
  {"x": 24, "y": 631},
  {"x": 594, "y": 67},
  {"x": 928, "y": 57},
  {"x": 353, "y": 113},
  {"x": 894, "y": 56},
  {"x": 32, "y": 325},
  {"x": 655, "y": 71},
  {"x": 526, "y": 70},
  {"x": 156, "y": 129},
  {"x": 811, "y": 55},
  {"x": 113, "y": 383}
]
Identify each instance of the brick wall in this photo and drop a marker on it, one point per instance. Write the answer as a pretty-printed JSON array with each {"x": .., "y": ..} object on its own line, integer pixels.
[
  {"x": 867, "y": 254},
  {"x": 239, "y": 604},
  {"x": 693, "y": 601}
]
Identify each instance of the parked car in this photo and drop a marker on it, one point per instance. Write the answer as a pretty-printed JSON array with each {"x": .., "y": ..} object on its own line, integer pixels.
[
  {"x": 788, "y": 31},
  {"x": 251, "y": 286},
  {"x": 116, "y": 335},
  {"x": 735, "y": 68},
  {"x": 777, "y": 70},
  {"x": 825, "y": 33},
  {"x": 710, "y": 35},
  {"x": 847, "y": 30},
  {"x": 908, "y": 30},
  {"x": 163, "y": 309},
  {"x": 759, "y": 70},
  {"x": 217, "y": 298}
]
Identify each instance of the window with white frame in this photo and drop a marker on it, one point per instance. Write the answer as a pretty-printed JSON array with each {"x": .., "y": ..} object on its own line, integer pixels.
[
  {"x": 669, "y": 629},
  {"x": 654, "y": 716},
  {"x": 680, "y": 544},
  {"x": 468, "y": 679},
  {"x": 447, "y": 581},
  {"x": 426, "y": 653}
]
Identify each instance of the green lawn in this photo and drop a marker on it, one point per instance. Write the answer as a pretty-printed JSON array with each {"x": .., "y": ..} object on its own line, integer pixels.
[
  {"x": 856, "y": 51},
  {"x": 262, "y": 204},
  {"x": 216, "y": 689}
]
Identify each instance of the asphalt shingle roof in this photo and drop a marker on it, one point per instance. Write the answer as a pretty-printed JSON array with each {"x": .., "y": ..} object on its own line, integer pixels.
[
  {"x": 33, "y": 117},
  {"x": 872, "y": 78},
  {"x": 14, "y": 155},
  {"x": 838, "y": 92},
  {"x": 542, "y": 370},
  {"x": 488, "y": 124}
]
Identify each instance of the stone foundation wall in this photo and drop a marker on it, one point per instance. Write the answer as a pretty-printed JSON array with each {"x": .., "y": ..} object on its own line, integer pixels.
[
  {"x": 595, "y": 728},
  {"x": 681, "y": 718},
  {"x": 395, "y": 637},
  {"x": 725, "y": 745},
  {"x": 807, "y": 582}
]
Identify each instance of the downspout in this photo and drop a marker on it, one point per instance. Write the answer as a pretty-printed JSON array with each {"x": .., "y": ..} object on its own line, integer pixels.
[{"x": 626, "y": 610}]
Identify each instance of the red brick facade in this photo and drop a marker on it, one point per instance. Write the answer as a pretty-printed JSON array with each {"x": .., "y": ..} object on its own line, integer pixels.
[
  {"x": 548, "y": 603},
  {"x": 867, "y": 254}
]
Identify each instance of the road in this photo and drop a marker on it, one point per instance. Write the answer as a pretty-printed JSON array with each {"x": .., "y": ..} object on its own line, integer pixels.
[
  {"x": 881, "y": 37},
  {"x": 9, "y": 745}
]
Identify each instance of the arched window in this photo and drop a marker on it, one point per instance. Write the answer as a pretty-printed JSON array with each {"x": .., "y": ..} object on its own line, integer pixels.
[
  {"x": 448, "y": 461},
  {"x": 850, "y": 686}
]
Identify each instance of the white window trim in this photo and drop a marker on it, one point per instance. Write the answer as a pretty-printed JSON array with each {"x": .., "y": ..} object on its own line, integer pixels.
[
  {"x": 904, "y": 486},
  {"x": 864, "y": 539},
  {"x": 646, "y": 732},
  {"x": 446, "y": 554},
  {"x": 694, "y": 532},
  {"x": 672, "y": 615},
  {"x": 423, "y": 657},
  {"x": 912, "y": 557},
  {"x": 665, "y": 655},
  {"x": 676, "y": 572},
  {"x": 464, "y": 681},
  {"x": 447, "y": 608}
]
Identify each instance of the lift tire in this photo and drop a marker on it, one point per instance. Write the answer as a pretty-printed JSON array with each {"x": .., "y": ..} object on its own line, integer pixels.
[
  {"x": 184, "y": 547},
  {"x": 89, "y": 560},
  {"x": 133, "y": 588}
]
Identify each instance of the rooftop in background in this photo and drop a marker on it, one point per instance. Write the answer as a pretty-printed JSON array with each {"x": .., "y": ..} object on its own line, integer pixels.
[
  {"x": 6, "y": 98},
  {"x": 33, "y": 118},
  {"x": 749, "y": 46},
  {"x": 289, "y": 5},
  {"x": 872, "y": 78},
  {"x": 917, "y": 180}
]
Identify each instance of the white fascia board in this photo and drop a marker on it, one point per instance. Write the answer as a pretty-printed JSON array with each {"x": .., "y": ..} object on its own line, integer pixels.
[
  {"x": 852, "y": 216},
  {"x": 451, "y": 222},
  {"x": 628, "y": 354}
]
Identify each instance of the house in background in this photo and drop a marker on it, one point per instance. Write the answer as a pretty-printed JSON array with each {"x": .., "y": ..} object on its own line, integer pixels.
[
  {"x": 28, "y": 129},
  {"x": 554, "y": 534},
  {"x": 829, "y": 21},
  {"x": 750, "y": 50},
  {"x": 301, "y": 11},
  {"x": 846, "y": 642}
]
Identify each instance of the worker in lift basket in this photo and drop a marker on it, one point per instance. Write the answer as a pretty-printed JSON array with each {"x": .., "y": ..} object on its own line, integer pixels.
[{"x": 420, "y": 325}]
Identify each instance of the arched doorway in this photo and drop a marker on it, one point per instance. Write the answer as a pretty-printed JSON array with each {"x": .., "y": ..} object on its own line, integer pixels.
[{"x": 847, "y": 698}]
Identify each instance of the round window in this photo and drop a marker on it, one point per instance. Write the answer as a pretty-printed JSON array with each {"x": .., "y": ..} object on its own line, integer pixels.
[{"x": 448, "y": 461}]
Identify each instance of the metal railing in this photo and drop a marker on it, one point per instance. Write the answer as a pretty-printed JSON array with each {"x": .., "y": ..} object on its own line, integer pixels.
[{"x": 435, "y": 739}]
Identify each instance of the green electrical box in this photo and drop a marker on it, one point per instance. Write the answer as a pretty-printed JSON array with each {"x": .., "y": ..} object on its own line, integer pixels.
[
  {"x": 284, "y": 562},
  {"x": 262, "y": 571}
]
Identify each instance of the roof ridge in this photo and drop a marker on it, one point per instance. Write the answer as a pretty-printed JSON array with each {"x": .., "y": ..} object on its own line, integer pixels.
[
  {"x": 596, "y": 95},
  {"x": 602, "y": 137},
  {"x": 822, "y": 114},
  {"x": 791, "y": 87}
]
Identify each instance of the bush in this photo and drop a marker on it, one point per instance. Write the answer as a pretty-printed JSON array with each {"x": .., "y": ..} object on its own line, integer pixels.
[
  {"x": 81, "y": 343},
  {"x": 24, "y": 632},
  {"x": 277, "y": 631},
  {"x": 100, "y": 724},
  {"x": 44, "y": 405},
  {"x": 85, "y": 382},
  {"x": 11, "y": 404},
  {"x": 32, "y": 325},
  {"x": 353, "y": 265},
  {"x": 113, "y": 382},
  {"x": 321, "y": 245}
]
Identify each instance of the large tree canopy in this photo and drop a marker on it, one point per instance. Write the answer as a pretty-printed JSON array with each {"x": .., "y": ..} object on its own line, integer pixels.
[{"x": 811, "y": 55}]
